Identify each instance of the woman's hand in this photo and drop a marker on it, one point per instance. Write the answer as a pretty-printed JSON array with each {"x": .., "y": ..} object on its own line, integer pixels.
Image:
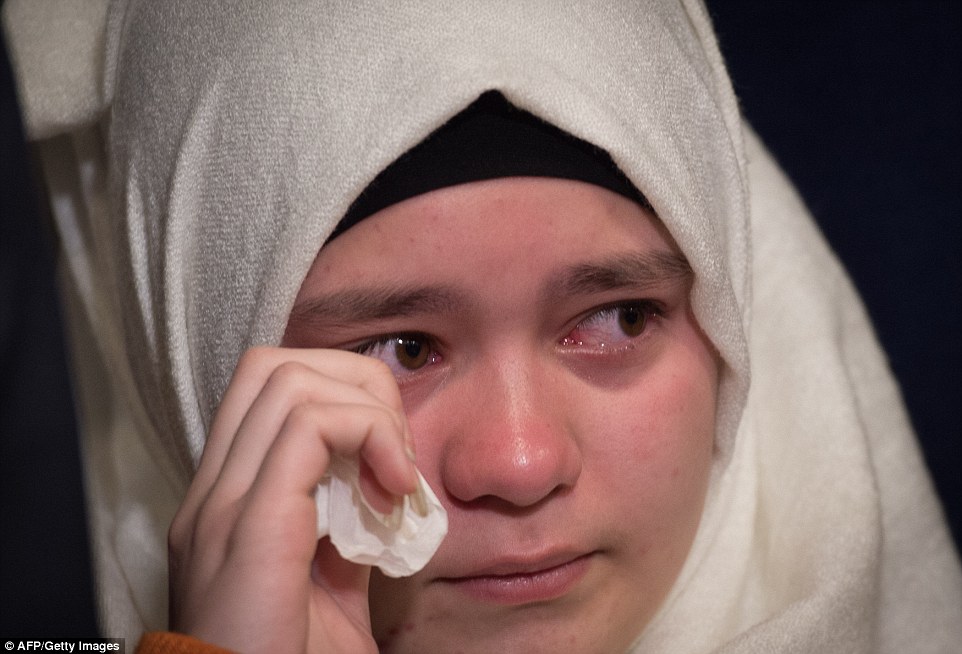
[{"x": 246, "y": 569}]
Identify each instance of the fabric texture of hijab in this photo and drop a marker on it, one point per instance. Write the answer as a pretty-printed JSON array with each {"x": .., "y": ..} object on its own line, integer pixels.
[{"x": 219, "y": 143}]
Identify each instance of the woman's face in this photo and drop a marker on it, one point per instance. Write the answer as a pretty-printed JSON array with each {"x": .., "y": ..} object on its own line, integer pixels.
[{"x": 562, "y": 400}]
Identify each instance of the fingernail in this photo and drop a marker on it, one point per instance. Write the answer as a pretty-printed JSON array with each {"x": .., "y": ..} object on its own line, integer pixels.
[{"x": 419, "y": 502}]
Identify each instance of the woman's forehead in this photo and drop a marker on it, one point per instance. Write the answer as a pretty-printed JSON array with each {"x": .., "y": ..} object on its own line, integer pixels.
[{"x": 524, "y": 228}]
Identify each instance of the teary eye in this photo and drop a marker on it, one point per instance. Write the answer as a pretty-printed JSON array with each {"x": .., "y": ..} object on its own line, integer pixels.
[
  {"x": 403, "y": 353},
  {"x": 613, "y": 326}
]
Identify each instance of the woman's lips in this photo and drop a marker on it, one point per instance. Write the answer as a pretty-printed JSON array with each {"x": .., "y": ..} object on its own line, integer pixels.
[{"x": 514, "y": 583}]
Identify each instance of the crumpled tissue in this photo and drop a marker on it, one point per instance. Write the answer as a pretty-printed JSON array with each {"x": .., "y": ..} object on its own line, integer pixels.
[{"x": 399, "y": 543}]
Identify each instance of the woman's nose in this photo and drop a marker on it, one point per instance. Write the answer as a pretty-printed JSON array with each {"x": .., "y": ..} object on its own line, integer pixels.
[{"x": 509, "y": 439}]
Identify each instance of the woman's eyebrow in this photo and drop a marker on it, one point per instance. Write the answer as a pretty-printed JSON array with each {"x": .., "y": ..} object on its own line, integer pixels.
[
  {"x": 630, "y": 269},
  {"x": 360, "y": 305}
]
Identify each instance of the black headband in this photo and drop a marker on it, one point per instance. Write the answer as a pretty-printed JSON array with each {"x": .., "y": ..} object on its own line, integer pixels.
[{"x": 489, "y": 139}]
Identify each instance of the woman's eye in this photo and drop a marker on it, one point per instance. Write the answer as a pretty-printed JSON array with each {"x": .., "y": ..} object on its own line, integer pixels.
[
  {"x": 403, "y": 354},
  {"x": 612, "y": 327}
]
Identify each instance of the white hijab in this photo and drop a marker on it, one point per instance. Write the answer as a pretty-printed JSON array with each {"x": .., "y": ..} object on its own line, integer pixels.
[{"x": 199, "y": 153}]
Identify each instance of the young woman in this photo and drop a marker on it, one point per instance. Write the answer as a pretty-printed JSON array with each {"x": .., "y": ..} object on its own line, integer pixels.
[{"x": 626, "y": 364}]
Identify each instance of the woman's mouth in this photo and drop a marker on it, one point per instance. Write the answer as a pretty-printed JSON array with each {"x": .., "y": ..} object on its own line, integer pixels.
[{"x": 514, "y": 583}]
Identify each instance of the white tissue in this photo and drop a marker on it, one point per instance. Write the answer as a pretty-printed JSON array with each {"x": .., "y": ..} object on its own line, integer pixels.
[{"x": 399, "y": 544}]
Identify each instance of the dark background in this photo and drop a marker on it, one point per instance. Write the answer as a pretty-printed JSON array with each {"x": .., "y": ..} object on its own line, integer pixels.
[{"x": 860, "y": 101}]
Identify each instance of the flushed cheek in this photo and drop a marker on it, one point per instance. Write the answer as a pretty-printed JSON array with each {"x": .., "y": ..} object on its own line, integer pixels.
[
  {"x": 654, "y": 461},
  {"x": 665, "y": 437}
]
